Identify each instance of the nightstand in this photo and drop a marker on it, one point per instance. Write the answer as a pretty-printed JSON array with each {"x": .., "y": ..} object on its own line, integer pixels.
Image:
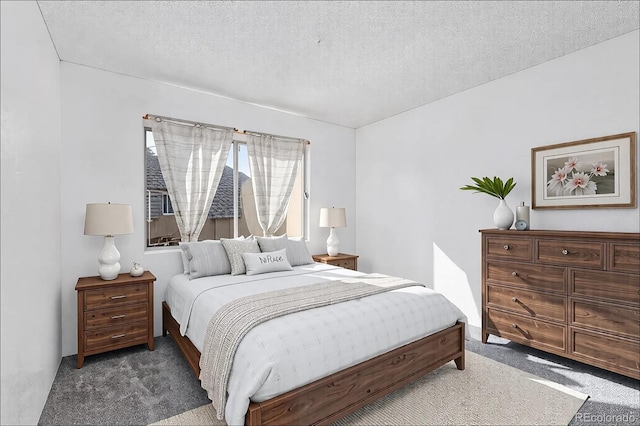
[
  {"x": 349, "y": 261},
  {"x": 114, "y": 314}
]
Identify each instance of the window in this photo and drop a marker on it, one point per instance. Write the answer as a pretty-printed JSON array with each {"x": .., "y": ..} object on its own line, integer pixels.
[
  {"x": 167, "y": 208},
  {"x": 232, "y": 212}
]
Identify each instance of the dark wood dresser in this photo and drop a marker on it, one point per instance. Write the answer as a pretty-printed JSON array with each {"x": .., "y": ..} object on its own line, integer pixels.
[
  {"x": 114, "y": 314},
  {"x": 573, "y": 294}
]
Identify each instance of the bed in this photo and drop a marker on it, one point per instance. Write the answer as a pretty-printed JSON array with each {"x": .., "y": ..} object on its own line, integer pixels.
[{"x": 318, "y": 365}]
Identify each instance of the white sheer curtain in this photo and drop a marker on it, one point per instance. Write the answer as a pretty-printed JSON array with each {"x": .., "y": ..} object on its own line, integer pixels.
[
  {"x": 192, "y": 159},
  {"x": 273, "y": 162}
]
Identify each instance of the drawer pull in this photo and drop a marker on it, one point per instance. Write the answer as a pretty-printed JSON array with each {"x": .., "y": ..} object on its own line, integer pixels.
[
  {"x": 117, "y": 336},
  {"x": 506, "y": 247},
  {"x": 565, "y": 252},
  {"x": 118, "y": 316},
  {"x": 514, "y": 325},
  {"x": 514, "y": 299},
  {"x": 118, "y": 297},
  {"x": 514, "y": 273}
]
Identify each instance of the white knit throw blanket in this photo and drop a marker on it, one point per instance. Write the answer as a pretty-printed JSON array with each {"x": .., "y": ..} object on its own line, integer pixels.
[{"x": 234, "y": 320}]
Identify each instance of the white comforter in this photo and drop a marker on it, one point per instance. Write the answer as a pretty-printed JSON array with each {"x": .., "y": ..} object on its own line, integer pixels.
[{"x": 293, "y": 350}]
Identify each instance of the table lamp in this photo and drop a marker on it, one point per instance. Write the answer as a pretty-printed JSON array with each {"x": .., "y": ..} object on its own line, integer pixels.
[
  {"x": 108, "y": 220},
  {"x": 333, "y": 218}
]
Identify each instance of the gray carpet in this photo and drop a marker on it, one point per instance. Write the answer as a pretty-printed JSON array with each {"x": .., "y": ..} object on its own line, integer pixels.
[
  {"x": 131, "y": 386},
  {"x": 137, "y": 387}
]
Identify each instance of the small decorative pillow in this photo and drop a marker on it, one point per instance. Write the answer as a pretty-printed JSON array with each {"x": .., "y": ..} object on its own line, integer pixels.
[
  {"x": 272, "y": 243},
  {"x": 235, "y": 248},
  {"x": 259, "y": 263},
  {"x": 206, "y": 258},
  {"x": 297, "y": 252}
]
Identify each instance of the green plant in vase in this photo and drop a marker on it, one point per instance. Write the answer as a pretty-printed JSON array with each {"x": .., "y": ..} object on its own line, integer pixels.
[{"x": 496, "y": 187}]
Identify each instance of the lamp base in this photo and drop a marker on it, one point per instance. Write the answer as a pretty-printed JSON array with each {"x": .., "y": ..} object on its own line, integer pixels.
[
  {"x": 108, "y": 266},
  {"x": 332, "y": 243}
]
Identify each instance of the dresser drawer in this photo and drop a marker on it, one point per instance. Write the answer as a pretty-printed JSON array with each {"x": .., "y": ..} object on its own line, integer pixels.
[
  {"x": 528, "y": 303},
  {"x": 526, "y": 275},
  {"x": 346, "y": 263},
  {"x": 509, "y": 248},
  {"x": 620, "y": 355},
  {"x": 113, "y": 337},
  {"x": 605, "y": 285},
  {"x": 570, "y": 253},
  {"x": 115, "y": 316},
  {"x": 535, "y": 333},
  {"x": 624, "y": 257},
  {"x": 115, "y": 296},
  {"x": 606, "y": 317}
]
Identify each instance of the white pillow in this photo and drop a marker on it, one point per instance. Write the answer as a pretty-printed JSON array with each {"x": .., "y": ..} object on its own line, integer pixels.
[
  {"x": 206, "y": 258},
  {"x": 235, "y": 248},
  {"x": 297, "y": 252},
  {"x": 185, "y": 259},
  {"x": 259, "y": 263},
  {"x": 272, "y": 243},
  {"x": 183, "y": 255}
]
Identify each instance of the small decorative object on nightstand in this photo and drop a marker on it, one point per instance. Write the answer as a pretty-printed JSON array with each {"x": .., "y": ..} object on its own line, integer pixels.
[
  {"x": 136, "y": 270},
  {"x": 114, "y": 314},
  {"x": 349, "y": 261}
]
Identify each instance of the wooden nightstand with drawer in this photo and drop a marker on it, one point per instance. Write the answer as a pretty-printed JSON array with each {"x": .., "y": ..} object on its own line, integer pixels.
[
  {"x": 348, "y": 261},
  {"x": 114, "y": 314}
]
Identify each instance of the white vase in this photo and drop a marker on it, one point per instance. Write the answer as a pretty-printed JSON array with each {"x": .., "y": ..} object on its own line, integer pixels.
[{"x": 503, "y": 216}]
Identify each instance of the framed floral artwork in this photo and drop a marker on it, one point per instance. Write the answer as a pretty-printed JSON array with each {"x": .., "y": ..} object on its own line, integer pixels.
[{"x": 591, "y": 173}]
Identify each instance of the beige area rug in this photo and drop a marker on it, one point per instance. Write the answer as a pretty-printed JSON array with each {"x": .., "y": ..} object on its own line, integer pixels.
[{"x": 485, "y": 393}]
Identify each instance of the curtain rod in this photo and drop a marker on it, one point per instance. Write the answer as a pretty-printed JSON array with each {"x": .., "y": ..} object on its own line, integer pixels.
[
  {"x": 251, "y": 132},
  {"x": 236, "y": 131},
  {"x": 179, "y": 120}
]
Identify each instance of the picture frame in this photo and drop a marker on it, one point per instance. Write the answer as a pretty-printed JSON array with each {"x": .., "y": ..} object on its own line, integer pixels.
[{"x": 590, "y": 173}]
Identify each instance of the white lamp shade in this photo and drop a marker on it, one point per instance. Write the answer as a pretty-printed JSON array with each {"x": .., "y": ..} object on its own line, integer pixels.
[
  {"x": 108, "y": 219},
  {"x": 332, "y": 217}
]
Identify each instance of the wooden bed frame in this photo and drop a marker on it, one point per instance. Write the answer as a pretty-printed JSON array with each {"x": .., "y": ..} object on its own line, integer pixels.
[{"x": 328, "y": 399}]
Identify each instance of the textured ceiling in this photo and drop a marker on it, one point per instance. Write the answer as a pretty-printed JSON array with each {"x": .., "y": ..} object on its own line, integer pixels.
[{"x": 350, "y": 63}]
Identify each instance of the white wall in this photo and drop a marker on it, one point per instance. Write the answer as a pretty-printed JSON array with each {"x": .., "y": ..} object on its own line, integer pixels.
[
  {"x": 30, "y": 253},
  {"x": 412, "y": 219},
  {"x": 103, "y": 160}
]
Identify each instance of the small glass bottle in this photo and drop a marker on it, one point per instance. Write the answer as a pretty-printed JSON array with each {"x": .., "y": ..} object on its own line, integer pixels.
[{"x": 522, "y": 213}]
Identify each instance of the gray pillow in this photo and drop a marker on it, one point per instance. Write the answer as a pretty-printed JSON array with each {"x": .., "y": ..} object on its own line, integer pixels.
[
  {"x": 268, "y": 244},
  {"x": 260, "y": 263},
  {"x": 206, "y": 258},
  {"x": 235, "y": 248},
  {"x": 297, "y": 252}
]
